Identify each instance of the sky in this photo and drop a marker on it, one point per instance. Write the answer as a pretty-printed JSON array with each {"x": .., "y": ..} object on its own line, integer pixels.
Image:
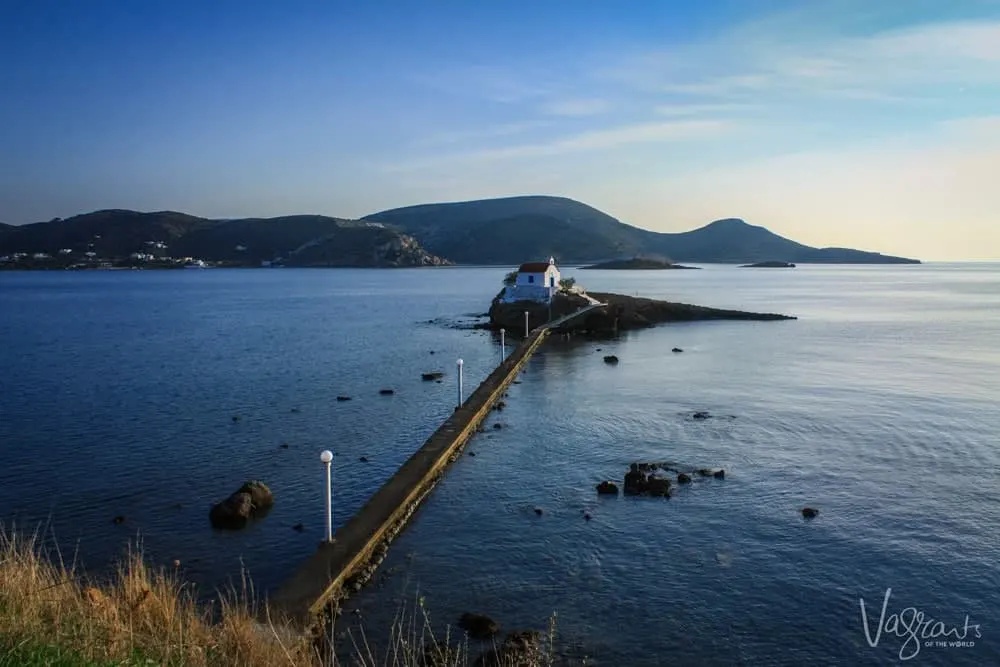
[{"x": 873, "y": 125}]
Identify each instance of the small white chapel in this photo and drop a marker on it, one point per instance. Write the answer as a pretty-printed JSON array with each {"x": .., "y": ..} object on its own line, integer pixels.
[{"x": 536, "y": 281}]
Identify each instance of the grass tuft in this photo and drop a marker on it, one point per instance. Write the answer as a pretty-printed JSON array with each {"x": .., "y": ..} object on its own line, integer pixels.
[{"x": 53, "y": 615}]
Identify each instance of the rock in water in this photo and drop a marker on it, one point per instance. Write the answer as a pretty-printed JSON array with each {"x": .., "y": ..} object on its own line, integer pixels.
[
  {"x": 719, "y": 474},
  {"x": 683, "y": 478},
  {"x": 233, "y": 513},
  {"x": 658, "y": 486},
  {"x": 677, "y": 350},
  {"x": 635, "y": 482},
  {"x": 478, "y": 626},
  {"x": 809, "y": 512},
  {"x": 607, "y": 489},
  {"x": 610, "y": 359},
  {"x": 260, "y": 495}
]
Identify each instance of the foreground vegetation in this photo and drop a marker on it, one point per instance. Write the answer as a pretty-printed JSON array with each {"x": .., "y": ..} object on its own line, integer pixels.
[{"x": 50, "y": 614}]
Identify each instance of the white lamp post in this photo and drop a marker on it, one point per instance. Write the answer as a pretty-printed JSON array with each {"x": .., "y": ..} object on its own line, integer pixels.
[
  {"x": 503, "y": 346},
  {"x": 460, "y": 364},
  {"x": 326, "y": 456}
]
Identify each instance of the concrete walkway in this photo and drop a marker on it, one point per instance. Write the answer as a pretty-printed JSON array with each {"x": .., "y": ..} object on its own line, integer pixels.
[{"x": 347, "y": 561}]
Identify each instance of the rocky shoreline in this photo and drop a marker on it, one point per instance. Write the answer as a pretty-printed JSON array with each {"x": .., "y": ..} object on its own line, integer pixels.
[{"x": 623, "y": 313}]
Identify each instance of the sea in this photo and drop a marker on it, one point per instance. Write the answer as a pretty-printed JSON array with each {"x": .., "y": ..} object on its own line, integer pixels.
[{"x": 147, "y": 396}]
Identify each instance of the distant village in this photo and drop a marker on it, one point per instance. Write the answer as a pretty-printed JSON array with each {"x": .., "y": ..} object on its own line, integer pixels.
[{"x": 155, "y": 257}]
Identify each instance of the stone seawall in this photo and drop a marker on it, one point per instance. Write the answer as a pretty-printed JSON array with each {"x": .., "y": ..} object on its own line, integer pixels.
[{"x": 360, "y": 544}]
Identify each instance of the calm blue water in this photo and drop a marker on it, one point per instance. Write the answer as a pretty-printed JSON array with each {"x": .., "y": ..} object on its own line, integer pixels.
[{"x": 879, "y": 407}]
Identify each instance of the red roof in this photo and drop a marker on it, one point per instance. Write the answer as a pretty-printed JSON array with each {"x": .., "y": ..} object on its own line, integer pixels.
[{"x": 534, "y": 267}]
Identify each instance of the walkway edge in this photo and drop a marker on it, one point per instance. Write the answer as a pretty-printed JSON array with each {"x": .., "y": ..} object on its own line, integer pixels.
[{"x": 320, "y": 580}]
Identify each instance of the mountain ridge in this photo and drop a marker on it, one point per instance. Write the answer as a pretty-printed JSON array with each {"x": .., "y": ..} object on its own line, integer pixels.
[
  {"x": 298, "y": 240},
  {"x": 502, "y": 231},
  {"x": 458, "y": 230}
]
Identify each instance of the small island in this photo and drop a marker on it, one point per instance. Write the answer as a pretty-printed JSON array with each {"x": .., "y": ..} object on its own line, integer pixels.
[
  {"x": 637, "y": 264},
  {"x": 538, "y": 291},
  {"x": 769, "y": 265}
]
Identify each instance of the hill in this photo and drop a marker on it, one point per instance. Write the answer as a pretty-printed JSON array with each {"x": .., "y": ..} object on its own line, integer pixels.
[
  {"x": 508, "y": 230},
  {"x": 309, "y": 240}
]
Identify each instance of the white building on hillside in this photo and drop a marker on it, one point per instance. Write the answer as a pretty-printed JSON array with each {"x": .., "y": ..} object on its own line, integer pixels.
[{"x": 536, "y": 281}]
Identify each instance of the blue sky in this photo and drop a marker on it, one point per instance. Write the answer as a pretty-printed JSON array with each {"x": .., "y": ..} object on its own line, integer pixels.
[{"x": 834, "y": 122}]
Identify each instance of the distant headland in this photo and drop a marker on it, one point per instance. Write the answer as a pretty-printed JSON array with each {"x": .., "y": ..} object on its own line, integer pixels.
[
  {"x": 638, "y": 264},
  {"x": 769, "y": 265},
  {"x": 485, "y": 232}
]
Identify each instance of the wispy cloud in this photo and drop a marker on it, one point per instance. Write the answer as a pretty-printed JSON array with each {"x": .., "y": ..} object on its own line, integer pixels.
[
  {"x": 576, "y": 107},
  {"x": 594, "y": 140},
  {"x": 752, "y": 63}
]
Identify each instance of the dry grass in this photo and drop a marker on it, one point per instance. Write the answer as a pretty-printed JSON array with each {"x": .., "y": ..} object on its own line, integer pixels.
[{"x": 50, "y": 614}]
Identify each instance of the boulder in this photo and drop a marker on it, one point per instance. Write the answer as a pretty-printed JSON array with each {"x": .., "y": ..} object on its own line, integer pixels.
[
  {"x": 635, "y": 482},
  {"x": 233, "y": 513},
  {"x": 719, "y": 474},
  {"x": 677, "y": 350},
  {"x": 250, "y": 500},
  {"x": 657, "y": 486},
  {"x": 809, "y": 512},
  {"x": 433, "y": 375},
  {"x": 260, "y": 495},
  {"x": 610, "y": 359},
  {"x": 478, "y": 626},
  {"x": 607, "y": 489},
  {"x": 683, "y": 478},
  {"x": 704, "y": 472}
]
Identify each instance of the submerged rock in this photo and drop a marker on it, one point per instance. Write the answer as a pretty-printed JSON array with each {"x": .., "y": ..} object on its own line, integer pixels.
[
  {"x": 260, "y": 494},
  {"x": 252, "y": 499},
  {"x": 809, "y": 512},
  {"x": 701, "y": 414},
  {"x": 657, "y": 486},
  {"x": 386, "y": 392},
  {"x": 635, "y": 482},
  {"x": 607, "y": 488},
  {"x": 343, "y": 398},
  {"x": 433, "y": 375},
  {"x": 683, "y": 478},
  {"x": 233, "y": 513}
]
